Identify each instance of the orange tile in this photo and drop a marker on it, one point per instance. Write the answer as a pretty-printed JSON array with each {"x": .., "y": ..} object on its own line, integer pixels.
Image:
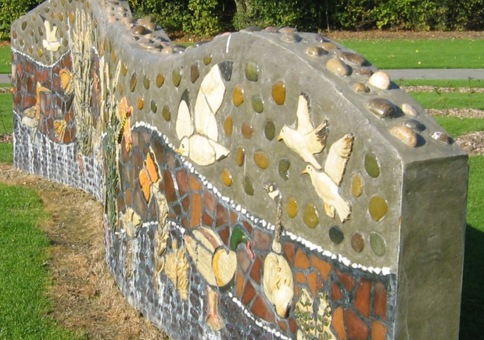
[
  {"x": 347, "y": 280},
  {"x": 302, "y": 261},
  {"x": 196, "y": 210},
  {"x": 323, "y": 266},
  {"x": 338, "y": 323},
  {"x": 380, "y": 301},
  {"x": 379, "y": 331},
  {"x": 355, "y": 327},
  {"x": 362, "y": 298}
]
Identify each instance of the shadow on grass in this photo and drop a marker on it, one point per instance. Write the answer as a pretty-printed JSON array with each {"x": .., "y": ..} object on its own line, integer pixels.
[{"x": 472, "y": 311}]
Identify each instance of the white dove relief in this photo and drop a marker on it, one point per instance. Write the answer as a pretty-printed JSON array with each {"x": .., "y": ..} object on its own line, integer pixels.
[
  {"x": 198, "y": 135},
  {"x": 326, "y": 183},
  {"x": 305, "y": 140},
  {"x": 51, "y": 43}
]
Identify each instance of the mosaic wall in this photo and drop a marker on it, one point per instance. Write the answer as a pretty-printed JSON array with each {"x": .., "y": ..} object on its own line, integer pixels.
[{"x": 268, "y": 184}]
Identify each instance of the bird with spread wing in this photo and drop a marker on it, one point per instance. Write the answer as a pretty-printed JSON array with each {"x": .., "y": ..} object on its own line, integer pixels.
[
  {"x": 326, "y": 182},
  {"x": 305, "y": 139},
  {"x": 198, "y": 135}
]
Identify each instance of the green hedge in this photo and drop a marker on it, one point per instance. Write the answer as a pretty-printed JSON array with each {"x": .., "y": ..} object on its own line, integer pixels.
[{"x": 208, "y": 17}]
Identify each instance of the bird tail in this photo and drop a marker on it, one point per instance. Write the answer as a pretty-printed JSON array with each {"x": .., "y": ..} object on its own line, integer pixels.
[{"x": 343, "y": 208}]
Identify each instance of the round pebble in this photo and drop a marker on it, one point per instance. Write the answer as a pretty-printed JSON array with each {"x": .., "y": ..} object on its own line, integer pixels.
[
  {"x": 381, "y": 107},
  {"x": 409, "y": 110},
  {"x": 405, "y": 134},
  {"x": 338, "y": 67},
  {"x": 381, "y": 80}
]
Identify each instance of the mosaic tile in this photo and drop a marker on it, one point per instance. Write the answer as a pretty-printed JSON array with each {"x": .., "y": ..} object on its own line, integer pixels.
[
  {"x": 347, "y": 280},
  {"x": 261, "y": 310},
  {"x": 372, "y": 165},
  {"x": 153, "y": 106},
  {"x": 278, "y": 92},
  {"x": 160, "y": 80},
  {"x": 357, "y": 185},
  {"x": 140, "y": 103},
  {"x": 132, "y": 82},
  {"x": 256, "y": 271},
  {"x": 357, "y": 242},
  {"x": 302, "y": 261},
  {"x": 207, "y": 60},
  {"x": 362, "y": 298},
  {"x": 226, "y": 68},
  {"x": 240, "y": 156},
  {"x": 228, "y": 126},
  {"x": 292, "y": 207},
  {"x": 146, "y": 83},
  {"x": 378, "y": 331},
  {"x": 249, "y": 293},
  {"x": 378, "y": 208},
  {"x": 166, "y": 113},
  {"x": 248, "y": 187},
  {"x": 310, "y": 216},
  {"x": 247, "y": 130},
  {"x": 269, "y": 130},
  {"x": 257, "y": 104},
  {"x": 176, "y": 77},
  {"x": 380, "y": 301},
  {"x": 322, "y": 266},
  {"x": 252, "y": 71},
  {"x": 226, "y": 177},
  {"x": 261, "y": 160},
  {"x": 194, "y": 72},
  {"x": 338, "y": 323},
  {"x": 355, "y": 327},
  {"x": 238, "y": 95},
  {"x": 378, "y": 244},
  {"x": 336, "y": 235}
]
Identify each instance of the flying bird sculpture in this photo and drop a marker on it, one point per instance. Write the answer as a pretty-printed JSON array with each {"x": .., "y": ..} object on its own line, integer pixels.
[
  {"x": 305, "y": 139},
  {"x": 198, "y": 135}
]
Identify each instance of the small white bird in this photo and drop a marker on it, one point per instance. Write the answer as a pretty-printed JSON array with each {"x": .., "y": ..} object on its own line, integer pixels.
[
  {"x": 51, "y": 43},
  {"x": 198, "y": 135},
  {"x": 326, "y": 183},
  {"x": 305, "y": 140}
]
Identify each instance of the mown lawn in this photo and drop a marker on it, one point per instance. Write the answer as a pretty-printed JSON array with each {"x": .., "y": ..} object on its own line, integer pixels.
[
  {"x": 23, "y": 277},
  {"x": 425, "y": 53}
]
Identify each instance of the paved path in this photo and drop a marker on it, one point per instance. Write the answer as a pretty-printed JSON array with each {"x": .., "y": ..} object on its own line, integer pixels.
[
  {"x": 397, "y": 74},
  {"x": 437, "y": 74}
]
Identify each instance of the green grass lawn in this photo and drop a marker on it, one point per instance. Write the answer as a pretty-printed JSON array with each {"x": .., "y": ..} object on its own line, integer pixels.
[
  {"x": 472, "y": 83},
  {"x": 5, "y": 58},
  {"x": 6, "y": 127},
  {"x": 435, "y": 53},
  {"x": 453, "y": 100},
  {"x": 23, "y": 278}
]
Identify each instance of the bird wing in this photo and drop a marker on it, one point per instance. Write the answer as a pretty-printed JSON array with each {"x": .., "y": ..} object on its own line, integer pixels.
[
  {"x": 316, "y": 139},
  {"x": 338, "y": 156},
  {"x": 209, "y": 100},
  {"x": 184, "y": 125},
  {"x": 220, "y": 150},
  {"x": 304, "y": 124}
]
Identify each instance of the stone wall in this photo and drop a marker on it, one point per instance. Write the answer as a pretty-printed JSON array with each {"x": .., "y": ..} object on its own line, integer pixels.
[{"x": 268, "y": 184}]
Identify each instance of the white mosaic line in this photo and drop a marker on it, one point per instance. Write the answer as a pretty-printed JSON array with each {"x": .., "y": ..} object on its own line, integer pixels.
[
  {"x": 257, "y": 322},
  {"x": 261, "y": 222},
  {"x": 38, "y": 62}
]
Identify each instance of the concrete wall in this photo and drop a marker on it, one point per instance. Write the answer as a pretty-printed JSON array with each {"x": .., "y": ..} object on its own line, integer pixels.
[{"x": 266, "y": 184}]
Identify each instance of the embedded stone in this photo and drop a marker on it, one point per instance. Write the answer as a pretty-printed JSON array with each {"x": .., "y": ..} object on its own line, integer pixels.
[
  {"x": 248, "y": 187},
  {"x": 310, "y": 216},
  {"x": 261, "y": 160},
  {"x": 283, "y": 168},
  {"x": 226, "y": 177},
  {"x": 372, "y": 165},
  {"x": 228, "y": 126},
  {"x": 292, "y": 207},
  {"x": 240, "y": 156},
  {"x": 360, "y": 88},
  {"x": 353, "y": 58},
  {"x": 338, "y": 67},
  {"x": 357, "y": 242},
  {"x": 194, "y": 72},
  {"x": 381, "y": 107},
  {"x": 139, "y": 30},
  {"x": 315, "y": 51},
  {"x": 247, "y": 130},
  {"x": 381, "y": 80},
  {"x": 160, "y": 80},
  {"x": 336, "y": 235},
  {"x": 176, "y": 77},
  {"x": 252, "y": 71},
  {"x": 377, "y": 243},
  {"x": 414, "y": 125},
  {"x": 238, "y": 95},
  {"x": 378, "y": 207},
  {"x": 329, "y": 46},
  {"x": 257, "y": 104},
  {"x": 409, "y": 110},
  {"x": 441, "y": 137},
  {"x": 357, "y": 186},
  {"x": 269, "y": 130},
  {"x": 278, "y": 92},
  {"x": 405, "y": 134}
]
